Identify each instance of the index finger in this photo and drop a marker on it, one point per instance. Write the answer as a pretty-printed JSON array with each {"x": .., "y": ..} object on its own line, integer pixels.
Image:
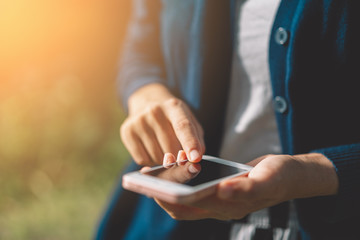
[{"x": 185, "y": 130}]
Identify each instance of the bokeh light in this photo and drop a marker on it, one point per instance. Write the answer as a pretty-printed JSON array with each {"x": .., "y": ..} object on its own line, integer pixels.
[{"x": 60, "y": 152}]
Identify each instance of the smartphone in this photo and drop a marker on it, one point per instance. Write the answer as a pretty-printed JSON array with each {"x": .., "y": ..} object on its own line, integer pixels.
[{"x": 183, "y": 182}]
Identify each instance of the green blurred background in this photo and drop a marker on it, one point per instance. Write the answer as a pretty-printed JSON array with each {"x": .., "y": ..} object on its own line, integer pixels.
[{"x": 60, "y": 151}]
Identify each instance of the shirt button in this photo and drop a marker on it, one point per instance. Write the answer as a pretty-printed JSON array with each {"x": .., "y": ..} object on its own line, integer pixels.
[
  {"x": 281, "y": 36},
  {"x": 280, "y": 104}
]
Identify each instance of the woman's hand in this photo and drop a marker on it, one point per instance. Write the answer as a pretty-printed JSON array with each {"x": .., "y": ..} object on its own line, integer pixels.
[
  {"x": 159, "y": 123},
  {"x": 274, "y": 179}
]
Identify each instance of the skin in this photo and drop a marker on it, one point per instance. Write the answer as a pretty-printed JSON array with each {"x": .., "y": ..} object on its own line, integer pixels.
[
  {"x": 159, "y": 123},
  {"x": 274, "y": 179},
  {"x": 159, "y": 126},
  {"x": 181, "y": 172}
]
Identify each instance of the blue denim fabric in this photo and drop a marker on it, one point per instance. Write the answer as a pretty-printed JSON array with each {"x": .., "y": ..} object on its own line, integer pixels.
[{"x": 150, "y": 222}]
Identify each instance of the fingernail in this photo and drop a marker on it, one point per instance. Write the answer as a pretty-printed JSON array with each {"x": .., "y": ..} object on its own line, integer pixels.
[
  {"x": 166, "y": 160},
  {"x": 181, "y": 155},
  {"x": 193, "y": 169},
  {"x": 194, "y": 155}
]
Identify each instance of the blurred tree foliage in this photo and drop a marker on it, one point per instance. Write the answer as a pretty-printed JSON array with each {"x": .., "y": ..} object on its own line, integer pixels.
[{"x": 60, "y": 153}]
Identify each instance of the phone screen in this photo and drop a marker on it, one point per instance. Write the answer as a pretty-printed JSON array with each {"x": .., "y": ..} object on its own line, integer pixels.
[{"x": 208, "y": 171}]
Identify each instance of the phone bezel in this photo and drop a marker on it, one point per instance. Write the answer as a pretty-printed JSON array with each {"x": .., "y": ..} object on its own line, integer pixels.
[{"x": 177, "y": 192}]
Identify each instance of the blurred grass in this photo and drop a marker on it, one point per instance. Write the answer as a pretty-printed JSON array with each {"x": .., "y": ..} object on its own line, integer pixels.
[
  {"x": 60, "y": 151},
  {"x": 58, "y": 163}
]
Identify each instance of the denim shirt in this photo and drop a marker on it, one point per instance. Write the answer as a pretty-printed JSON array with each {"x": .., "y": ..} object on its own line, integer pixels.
[{"x": 313, "y": 58}]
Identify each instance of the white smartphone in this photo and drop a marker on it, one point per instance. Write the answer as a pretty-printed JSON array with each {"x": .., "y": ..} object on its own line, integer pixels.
[{"x": 176, "y": 183}]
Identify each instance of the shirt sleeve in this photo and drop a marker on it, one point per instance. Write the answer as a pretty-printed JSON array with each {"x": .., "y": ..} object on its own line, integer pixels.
[{"x": 141, "y": 60}]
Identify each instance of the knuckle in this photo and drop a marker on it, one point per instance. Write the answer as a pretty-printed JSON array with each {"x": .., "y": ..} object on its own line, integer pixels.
[
  {"x": 182, "y": 124},
  {"x": 174, "y": 102},
  {"x": 153, "y": 110},
  {"x": 125, "y": 130},
  {"x": 138, "y": 122}
]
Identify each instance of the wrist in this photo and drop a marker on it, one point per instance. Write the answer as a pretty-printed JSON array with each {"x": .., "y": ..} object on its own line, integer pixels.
[{"x": 319, "y": 176}]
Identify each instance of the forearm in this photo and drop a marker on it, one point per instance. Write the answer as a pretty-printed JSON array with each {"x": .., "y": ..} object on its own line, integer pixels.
[{"x": 141, "y": 61}]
